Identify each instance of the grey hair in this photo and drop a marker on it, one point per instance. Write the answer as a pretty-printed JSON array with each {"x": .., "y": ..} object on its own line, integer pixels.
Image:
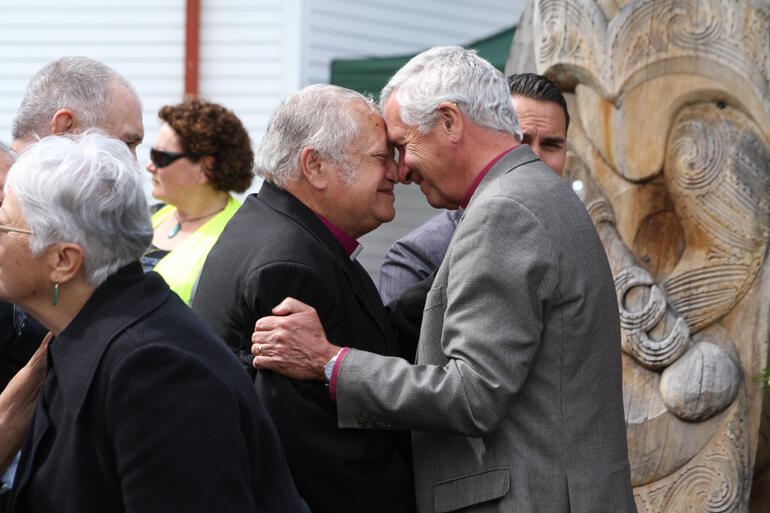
[
  {"x": 77, "y": 83},
  {"x": 318, "y": 116},
  {"x": 87, "y": 189},
  {"x": 452, "y": 74}
]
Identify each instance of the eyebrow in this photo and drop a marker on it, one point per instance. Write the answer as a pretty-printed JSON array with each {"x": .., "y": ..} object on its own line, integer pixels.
[
  {"x": 133, "y": 139},
  {"x": 554, "y": 140}
]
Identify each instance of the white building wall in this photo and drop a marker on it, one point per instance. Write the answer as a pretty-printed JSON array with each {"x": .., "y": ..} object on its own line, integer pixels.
[
  {"x": 250, "y": 55},
  {"x": 142, "y": 39}
]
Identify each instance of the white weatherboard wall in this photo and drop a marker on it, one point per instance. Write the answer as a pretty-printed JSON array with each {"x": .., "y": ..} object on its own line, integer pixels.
[
  {"x": 250, "y": 57},
  {"x": 249, "y": 52},
  {"x": 143, "y": 40}
]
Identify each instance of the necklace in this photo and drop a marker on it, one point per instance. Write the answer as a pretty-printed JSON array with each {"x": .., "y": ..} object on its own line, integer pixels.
[{"x": 178, "y": 226}]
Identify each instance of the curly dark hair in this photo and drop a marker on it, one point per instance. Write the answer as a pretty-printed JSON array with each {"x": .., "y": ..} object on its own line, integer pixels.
[{"x": 205, "y": 128}]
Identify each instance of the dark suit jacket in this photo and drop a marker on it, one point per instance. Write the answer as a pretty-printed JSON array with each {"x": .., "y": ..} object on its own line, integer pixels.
[
  {"x": 145, "y": 409},
  {"x": 20, "y": 336},
  {"x": 275, "y": 247}
]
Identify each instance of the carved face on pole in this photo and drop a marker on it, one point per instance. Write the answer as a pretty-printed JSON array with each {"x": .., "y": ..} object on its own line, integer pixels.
[{"x": 670, "y": 154}]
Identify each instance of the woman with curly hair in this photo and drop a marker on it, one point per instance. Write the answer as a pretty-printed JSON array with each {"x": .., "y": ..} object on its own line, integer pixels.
[{"x": 201, "y": 154}]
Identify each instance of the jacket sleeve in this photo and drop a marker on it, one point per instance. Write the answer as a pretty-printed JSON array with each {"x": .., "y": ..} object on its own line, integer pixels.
[{"x": 501, "y": 274}]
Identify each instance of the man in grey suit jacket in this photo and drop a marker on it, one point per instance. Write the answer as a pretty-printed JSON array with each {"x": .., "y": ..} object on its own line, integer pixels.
[
  {"x": 543, "y": 119},
  {"x": 515, "y": 400}
]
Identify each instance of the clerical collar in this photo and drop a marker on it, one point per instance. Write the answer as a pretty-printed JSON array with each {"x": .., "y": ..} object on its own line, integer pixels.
[
  {"x": 351, "y": 246},
  {"x": 467, "y": 198}
]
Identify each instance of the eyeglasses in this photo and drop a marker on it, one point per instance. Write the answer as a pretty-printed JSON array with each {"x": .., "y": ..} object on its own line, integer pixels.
[
  {"x": 162, "y": 158},
  {"x": 4, "y": 228}
]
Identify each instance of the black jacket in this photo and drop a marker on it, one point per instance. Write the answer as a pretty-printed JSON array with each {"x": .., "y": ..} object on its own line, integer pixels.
[
  {"x": 145, "y": 409},
  {"x": 20, "y": 336},
  {"x": 275, "y": 247}
]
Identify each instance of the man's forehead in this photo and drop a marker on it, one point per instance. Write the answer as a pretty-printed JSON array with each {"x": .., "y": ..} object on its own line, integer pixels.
[
  {"x": 373, "y": 136},
  {"x": 531, "y": 111},
  {"x": 396, "y": 129}
]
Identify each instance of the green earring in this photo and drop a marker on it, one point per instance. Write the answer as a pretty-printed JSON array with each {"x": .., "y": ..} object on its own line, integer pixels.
[{"x": 55, "y": 298}]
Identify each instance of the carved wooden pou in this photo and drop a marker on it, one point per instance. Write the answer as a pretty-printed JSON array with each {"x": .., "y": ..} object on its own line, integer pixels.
[{"x": 670, "y": 152}]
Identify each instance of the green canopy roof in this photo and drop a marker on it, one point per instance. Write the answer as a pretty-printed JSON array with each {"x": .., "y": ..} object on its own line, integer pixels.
[{"x": 369, "y": 76}]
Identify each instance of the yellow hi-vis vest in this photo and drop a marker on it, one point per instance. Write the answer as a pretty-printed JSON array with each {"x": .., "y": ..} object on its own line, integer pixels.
[{"x": 181, "y": 267}]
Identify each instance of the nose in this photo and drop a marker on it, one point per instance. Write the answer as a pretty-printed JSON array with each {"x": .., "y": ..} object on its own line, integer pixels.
[
  {"x": 151, "y": 167},
  {"x": 404, "y": 173},
  {"x": 391, "y": 172}
]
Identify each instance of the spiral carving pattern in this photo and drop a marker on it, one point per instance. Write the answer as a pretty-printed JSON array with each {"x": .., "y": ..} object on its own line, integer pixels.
[
  {"x": 709, "y": 488},
  {"x": 653, "y": 354},
  {"x": 697, "y": 154}
]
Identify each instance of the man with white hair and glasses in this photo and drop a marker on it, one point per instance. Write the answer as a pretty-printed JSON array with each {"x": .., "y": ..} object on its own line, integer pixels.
[
  {"x": 515, "y": 399},
  {"x": 329, "y": 176}
]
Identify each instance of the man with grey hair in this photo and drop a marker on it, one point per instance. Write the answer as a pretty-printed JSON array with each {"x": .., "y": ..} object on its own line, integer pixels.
[
  {"x": 329, "y": 174},
  {"x": 73, "y": 94},
  {"x": 543, "y": 118},
  {"x": 515, "y": 400}
]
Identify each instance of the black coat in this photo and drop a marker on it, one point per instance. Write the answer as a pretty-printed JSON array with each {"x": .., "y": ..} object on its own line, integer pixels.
[
  {"x": 20, "y": 336},
  {"x": 145, "y": 409},
  {"x": 275, "y": 247}
]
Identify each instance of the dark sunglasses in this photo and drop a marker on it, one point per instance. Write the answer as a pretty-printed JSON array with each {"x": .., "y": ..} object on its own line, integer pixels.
[{"x": 162, "y": 158}]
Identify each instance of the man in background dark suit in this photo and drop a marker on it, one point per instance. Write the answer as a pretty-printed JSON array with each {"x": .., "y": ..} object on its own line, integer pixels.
[{"x": 329, "y": 174}]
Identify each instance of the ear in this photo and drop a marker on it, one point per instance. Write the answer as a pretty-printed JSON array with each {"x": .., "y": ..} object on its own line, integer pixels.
[
  {"x": 206, "y": 167},
  {"x": 313, "y": 168},
  {"x": 62, "y": 122},
  {"x": 451, "y": 121},
  {"x": 66, "y": 260}
]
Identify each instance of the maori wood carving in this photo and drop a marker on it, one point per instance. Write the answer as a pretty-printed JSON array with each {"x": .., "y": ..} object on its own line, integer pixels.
[{"x": 670, "y": 152}]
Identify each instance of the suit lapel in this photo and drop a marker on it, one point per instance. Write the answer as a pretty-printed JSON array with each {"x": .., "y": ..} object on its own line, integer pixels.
[{"x": 369, "y": 299}]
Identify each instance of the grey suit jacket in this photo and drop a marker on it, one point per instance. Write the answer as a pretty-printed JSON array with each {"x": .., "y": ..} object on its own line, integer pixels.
[{"x": 515, "y": 402}]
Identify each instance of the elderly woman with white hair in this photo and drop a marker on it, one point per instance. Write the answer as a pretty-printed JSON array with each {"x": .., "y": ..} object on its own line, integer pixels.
[{"x": 143, "y": 408}]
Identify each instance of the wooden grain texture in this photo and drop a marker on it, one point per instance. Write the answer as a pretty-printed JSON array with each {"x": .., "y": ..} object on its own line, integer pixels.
[{"x": 669, "y": 149}]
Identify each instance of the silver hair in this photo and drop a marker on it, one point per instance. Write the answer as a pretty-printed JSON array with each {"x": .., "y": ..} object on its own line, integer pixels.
[
  {"x": 452, "y": 74},
  {"x": 76, "y": 83},
  {"x": 318, "y": 116},
  {"x": 87, "y": 189}
]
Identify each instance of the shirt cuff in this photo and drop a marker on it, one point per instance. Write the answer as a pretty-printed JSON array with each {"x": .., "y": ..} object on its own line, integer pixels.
[{"x": 333, "y": 380}]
